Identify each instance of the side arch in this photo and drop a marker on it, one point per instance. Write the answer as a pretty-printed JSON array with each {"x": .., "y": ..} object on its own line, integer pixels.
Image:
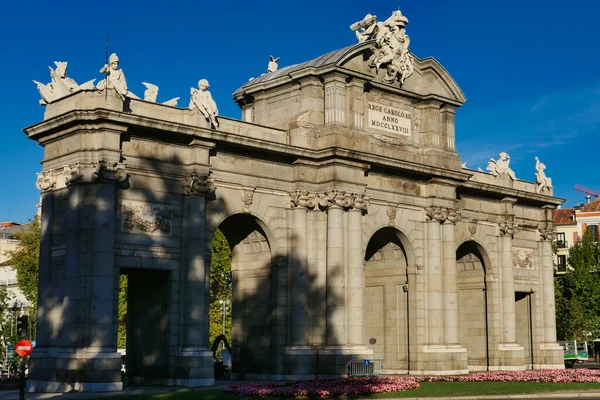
[
  {"x": 472, "y": 263},
  {"x": 254, "y": 307},
  {"x": 388, "y": 255}
]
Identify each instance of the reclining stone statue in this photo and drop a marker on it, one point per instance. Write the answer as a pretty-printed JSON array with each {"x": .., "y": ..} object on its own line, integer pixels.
[{"x": 60, "y": 85}]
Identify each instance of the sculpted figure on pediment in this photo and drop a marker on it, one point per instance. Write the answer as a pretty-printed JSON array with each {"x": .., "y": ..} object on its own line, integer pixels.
[
  {"x": 391, "y": 50},
  {"x": 202, "y": 100},
  {"x": 273, "y": 64},
  {"x": 501, "y": 167},
  {"x": 60, "y": 85},
  {"x": 543, "y": 182},
  {"x": 115, "y": 78}
]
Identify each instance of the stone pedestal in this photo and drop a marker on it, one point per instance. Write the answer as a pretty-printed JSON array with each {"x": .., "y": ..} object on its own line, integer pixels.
[
  {"x": 510, "y": 358},
  {"x": 194, "y": 367},
  {"x": 68, "y": 370},
  {"x": 440, "y": 360}
]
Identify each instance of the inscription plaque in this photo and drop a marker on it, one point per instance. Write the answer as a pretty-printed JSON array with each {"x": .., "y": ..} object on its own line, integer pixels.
[{"x": 389, "y": 119}]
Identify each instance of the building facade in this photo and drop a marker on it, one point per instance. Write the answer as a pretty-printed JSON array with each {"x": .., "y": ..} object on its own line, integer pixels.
[
  {"x": 355, "y": 232},
  {"x": 8, "y": 276}
]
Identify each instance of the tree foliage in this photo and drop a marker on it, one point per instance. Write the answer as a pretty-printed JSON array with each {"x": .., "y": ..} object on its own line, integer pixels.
[
  {"x": 220, "y": 286},
  {"x": 25, "y": 260},
  {"x": 122, "y": 313},
  {"x": 8, "y": 333},
  {"x": 578, "y": 292}
]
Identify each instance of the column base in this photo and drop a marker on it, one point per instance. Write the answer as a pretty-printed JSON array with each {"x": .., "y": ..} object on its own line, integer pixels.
[
  {"x": 511, "y": 357},
  {"x": 440, "y": 360},
  {"x": 549, "y": 356},
  {"x": 61, "y": 370},
  {"x": 194, "y": 367},
  {"x": 301, "y": 362},
  {"x": 309, "y": 362}
]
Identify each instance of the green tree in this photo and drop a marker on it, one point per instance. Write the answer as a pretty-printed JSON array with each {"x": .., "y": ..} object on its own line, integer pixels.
[
  {"x": 8, "y": 334},
  {"x": 25, "y": 259},
  {"x": 578, "y": 292},
  {"x": 122, "y": 313},
  {"x": 220, "y": 286}
]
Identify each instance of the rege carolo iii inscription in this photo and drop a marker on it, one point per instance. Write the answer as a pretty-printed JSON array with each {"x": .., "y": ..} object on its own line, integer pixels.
[{"x": 389, "y": 119}]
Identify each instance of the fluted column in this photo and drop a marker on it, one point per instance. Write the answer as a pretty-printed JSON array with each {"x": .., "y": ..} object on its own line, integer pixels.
[
  {"x": 356, "y": 273},
  {"x": 336, "y": 308},
  {"x": 300, "y": 201},
  {"x": 547, "y": 283},
  {"x": 335, "y": 201},
  {"x": 509, "y": 334},
  {"x": 196, "y": 271},
  {"x": 450, "y": 276},
  {"x": 435, "y": 284}
]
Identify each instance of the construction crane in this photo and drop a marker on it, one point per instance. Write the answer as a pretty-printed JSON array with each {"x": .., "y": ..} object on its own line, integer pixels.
[{"x": 589, "y": 192}]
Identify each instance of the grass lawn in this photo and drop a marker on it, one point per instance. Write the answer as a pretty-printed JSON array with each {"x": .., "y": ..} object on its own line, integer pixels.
[{"x": 428, "y": 389}]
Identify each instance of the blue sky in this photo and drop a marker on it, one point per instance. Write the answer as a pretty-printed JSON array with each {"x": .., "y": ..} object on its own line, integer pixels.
[{"x": 529, "y": 69}]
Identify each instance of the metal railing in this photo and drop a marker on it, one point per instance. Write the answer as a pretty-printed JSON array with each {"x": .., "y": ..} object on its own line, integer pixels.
[{"x": 365, "y": 368}]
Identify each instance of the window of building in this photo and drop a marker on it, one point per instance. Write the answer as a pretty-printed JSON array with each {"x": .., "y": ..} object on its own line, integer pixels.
[
  {"x": 594, "y": 229},
  {"x": 561, "y": 263},
  {"x": 561, "y": 241}
]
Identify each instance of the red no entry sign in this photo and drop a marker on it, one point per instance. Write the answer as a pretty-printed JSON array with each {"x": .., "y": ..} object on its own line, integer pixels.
[{"x": 24, "y": 347}]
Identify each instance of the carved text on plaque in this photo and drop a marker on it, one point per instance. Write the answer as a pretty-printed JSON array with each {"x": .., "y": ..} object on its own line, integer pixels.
[{"x": 389, "y": 119}]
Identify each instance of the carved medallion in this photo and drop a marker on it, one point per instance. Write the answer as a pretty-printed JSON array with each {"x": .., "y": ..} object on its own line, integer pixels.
[{"x": 45, "y": 181}]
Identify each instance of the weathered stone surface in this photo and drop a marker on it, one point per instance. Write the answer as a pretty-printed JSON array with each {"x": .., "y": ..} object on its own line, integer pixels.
[{"x": 338, "y": 195}]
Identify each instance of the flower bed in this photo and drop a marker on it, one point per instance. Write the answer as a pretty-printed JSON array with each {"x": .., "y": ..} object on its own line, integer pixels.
[
  {"x": 363, "y": 385},
  {"x": 325, "y": 387},
  {"x": 545, "y": 375}
]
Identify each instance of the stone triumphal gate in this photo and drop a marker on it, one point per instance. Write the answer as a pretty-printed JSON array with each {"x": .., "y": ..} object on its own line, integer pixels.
[{"x": 355, "y": 231}]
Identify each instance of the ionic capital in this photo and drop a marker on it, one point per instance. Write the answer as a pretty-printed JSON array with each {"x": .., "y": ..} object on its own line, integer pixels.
[
  {"x": 507, "y": 228},
  {"x": 195, "y": 184},
  {"x": 453, "y": 216},
  {"x": 86, "y": 172},
  {"x": 302, "y": 199},
  {"x": 548, "y": 234},
  {"x": 436, "y": 214},
  {"x": 343, "y": 199}
]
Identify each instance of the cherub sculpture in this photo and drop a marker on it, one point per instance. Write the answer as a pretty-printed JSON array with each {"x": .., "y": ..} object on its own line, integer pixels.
[
  {"x": 202, "y": 101},
  {"x": 60, "y": 84},
  {"x": 500, "y": 167},
  {"x": 273, "y": 64},
  {"x": 115, "y": 78},
  {"x": 543, "y": 182}
]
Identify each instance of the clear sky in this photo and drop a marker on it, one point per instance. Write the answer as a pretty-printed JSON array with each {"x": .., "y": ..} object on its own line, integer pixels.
[{"x": 528, "y": 68}]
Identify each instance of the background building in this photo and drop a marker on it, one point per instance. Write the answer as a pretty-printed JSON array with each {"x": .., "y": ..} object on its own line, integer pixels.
[
  {"x": 8, "y": 276},
  {"x": 571, "y": 224}
]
